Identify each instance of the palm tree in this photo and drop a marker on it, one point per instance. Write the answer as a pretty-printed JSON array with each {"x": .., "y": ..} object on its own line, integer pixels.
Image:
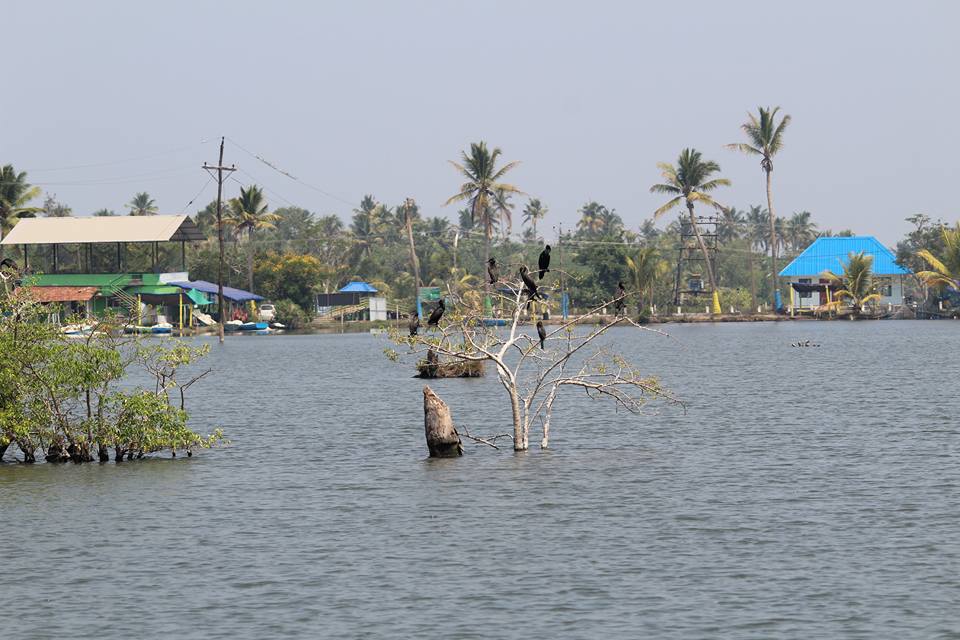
[
  {"x": 104, "y": 213},
  {"x": 593, "y": 221},
  {"x": 758, "y": 225},
  {"x": 142, "y": 205},
  {"x": 765, "y": 137},
  {"x": 480, "y": 189},
  {"x": 645, "y": 268},
  {"x": 944, "y": 271},
  {"x": 533, "y": 212},
  {"x": 799, "y": 231},
  {"x": 690, "y": 182},
  {"x": 732, "y": 224},
  {"x": 649, "y": 231},
  {"x": 857, "y": 281},
  {"x": 503, "y": 210},
  {"x": 15, "y": 193},
  {"x": 249, "y": 214},
  {"x": 365, "y": 223}
]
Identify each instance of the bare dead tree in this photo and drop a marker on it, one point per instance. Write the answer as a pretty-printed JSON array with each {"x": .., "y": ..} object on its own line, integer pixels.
[{"x": 533, "y": 378}]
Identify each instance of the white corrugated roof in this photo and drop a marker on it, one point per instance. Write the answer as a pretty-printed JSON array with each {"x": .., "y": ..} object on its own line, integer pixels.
[{"x": 88, "y": 230}]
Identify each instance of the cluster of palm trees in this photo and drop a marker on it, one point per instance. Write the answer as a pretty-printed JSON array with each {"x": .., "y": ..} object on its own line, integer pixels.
[
  {"x": 597, "y": 221},
  {"x": 692, "y": 180},
  {"x": 793, "y": 234}
]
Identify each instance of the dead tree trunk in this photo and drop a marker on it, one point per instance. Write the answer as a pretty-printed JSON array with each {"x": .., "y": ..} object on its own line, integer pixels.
[{"x": 443, "y": 441}]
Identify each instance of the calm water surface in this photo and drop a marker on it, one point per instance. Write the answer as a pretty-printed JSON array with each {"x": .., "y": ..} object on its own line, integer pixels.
[{"x": 805, "y": 493}]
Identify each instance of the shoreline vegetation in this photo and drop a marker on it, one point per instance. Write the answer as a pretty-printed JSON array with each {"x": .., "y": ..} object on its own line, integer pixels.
[
  {"x": 65, "y": 399},
  {"x": 716, "y": 255}
]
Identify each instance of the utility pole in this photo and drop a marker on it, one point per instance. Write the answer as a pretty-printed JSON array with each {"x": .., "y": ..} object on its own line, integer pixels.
[{"x": 220, "y": 169}]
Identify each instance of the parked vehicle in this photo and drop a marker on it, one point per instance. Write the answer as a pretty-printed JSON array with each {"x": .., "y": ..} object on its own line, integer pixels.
[{"x": 267, "y": 313}]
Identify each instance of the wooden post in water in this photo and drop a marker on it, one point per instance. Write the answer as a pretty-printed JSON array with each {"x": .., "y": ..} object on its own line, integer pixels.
[{"x": 443, "y": 441}]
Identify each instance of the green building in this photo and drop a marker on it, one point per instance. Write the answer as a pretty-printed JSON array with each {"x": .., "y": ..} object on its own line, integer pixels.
[{"x": 126, "y": 263}]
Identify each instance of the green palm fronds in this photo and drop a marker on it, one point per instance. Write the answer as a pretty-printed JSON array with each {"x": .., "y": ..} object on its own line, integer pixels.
[
  {"x": 944, "y": 272},
  {"x": 857, "y": 280}
]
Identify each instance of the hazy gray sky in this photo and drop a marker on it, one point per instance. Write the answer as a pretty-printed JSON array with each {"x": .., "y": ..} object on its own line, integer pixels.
[{"x": 375, "y": 97}]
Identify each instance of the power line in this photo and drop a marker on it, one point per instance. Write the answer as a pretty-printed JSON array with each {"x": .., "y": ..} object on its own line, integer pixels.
[
  {"x": 288, "y": 174},
  {"x": 209, "y": 180}
]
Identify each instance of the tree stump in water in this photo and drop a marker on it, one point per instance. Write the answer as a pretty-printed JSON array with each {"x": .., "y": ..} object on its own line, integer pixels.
[{"x": 443, "y": 441}]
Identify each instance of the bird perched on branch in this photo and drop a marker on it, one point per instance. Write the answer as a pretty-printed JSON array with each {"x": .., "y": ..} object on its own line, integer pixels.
[
  {"x": 492, "y": 271},
  {"x": 544, "y": 261},
  {"x": 542, "y": 333},
  {"x": 414, "y": 322},
  {"x": 437, "y": 314},
  {"x": 621, "y": 299},
  {"x": 528, "y": 283}
]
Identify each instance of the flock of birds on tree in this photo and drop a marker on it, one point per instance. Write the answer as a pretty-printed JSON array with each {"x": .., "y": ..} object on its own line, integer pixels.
[
  {"x": 530, "y": 288},
  {"x": 493, "y": 273}
]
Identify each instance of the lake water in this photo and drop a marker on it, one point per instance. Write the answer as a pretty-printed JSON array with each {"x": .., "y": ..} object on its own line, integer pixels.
[{"x": 805, "y": 493}]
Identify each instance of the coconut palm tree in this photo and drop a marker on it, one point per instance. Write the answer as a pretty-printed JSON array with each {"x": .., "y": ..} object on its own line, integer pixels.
[
  {"x": 482, "y": 183},
  {"x": 248, "y": 214},
  {"x": 799, "y": 231},
  {"x": 690, "y": 182},
  {"x": 532, "y": 212},
  {"x": 944, "y": 271},
  {"x": 15, "y": 193},
  {"x": 365, "y": 224},
  {"x": 645, "y": 268},
  {"x": 733, "y": 223},
  {"x": 765, "y": 137},
  {"x": 503, "y": 210},
  {"x": 758, "y": 226},
  {"x": 596, "y": 221},
  {"x": 142, "y": 205},
  {"x": 104, "y": 213},
  {"x": 857, "y": 281}
]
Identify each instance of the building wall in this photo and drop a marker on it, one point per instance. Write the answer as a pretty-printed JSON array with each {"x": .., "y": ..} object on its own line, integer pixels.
[{"x": 895, "y": 292}]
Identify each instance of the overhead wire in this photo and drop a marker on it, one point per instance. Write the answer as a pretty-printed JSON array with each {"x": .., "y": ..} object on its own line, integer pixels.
[{"x": 287, "y": 174}]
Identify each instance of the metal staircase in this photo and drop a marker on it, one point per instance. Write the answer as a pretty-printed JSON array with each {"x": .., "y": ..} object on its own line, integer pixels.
[{"x": 114, "y": 289}]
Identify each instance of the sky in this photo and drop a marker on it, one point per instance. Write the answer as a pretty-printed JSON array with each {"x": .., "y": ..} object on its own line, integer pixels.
[{"x": 350, "y": 98}]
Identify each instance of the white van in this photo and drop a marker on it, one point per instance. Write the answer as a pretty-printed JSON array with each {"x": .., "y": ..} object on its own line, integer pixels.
[{"x": 267, "y": 313}]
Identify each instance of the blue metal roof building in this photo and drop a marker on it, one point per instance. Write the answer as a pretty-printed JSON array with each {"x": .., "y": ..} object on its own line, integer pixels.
[
  {"x": 230, "y": 293},
  {"x": 832, "y": 254}
]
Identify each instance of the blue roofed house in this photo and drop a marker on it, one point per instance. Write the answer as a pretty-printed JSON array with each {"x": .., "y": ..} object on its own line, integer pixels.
[{"x": 809, "y": 286}]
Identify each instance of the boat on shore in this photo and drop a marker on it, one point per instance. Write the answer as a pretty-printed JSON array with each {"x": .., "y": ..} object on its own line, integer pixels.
[{"x": 156, "y": 329}]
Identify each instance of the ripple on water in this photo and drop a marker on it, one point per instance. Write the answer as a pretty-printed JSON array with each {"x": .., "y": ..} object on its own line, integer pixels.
[{"x": 804, "y": 493}]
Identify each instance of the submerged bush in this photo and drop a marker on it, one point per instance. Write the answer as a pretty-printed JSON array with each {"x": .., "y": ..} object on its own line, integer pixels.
[{"x": 60, "y": 396}]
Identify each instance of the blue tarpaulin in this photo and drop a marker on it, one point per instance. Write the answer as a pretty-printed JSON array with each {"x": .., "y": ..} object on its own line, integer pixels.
[{"x": 236, "y": 295}]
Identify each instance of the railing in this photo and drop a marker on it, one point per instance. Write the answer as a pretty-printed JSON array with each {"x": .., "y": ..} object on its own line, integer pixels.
[
  {"x": 114, "y": 289},
  {"x": 337, "y": 312}
]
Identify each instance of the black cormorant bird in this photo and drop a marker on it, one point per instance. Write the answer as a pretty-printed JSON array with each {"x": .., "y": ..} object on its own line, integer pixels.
[
  {"x": 541, "y": 332},
  {"x": 492, "y": 272},
  {"x": 414, "y": 322},
  {"x": 437, "y": 314},
  {"x": 620, "y": 300},
  {"x": 544, "y": 262},
  {"x": 528, "y": 282}
]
